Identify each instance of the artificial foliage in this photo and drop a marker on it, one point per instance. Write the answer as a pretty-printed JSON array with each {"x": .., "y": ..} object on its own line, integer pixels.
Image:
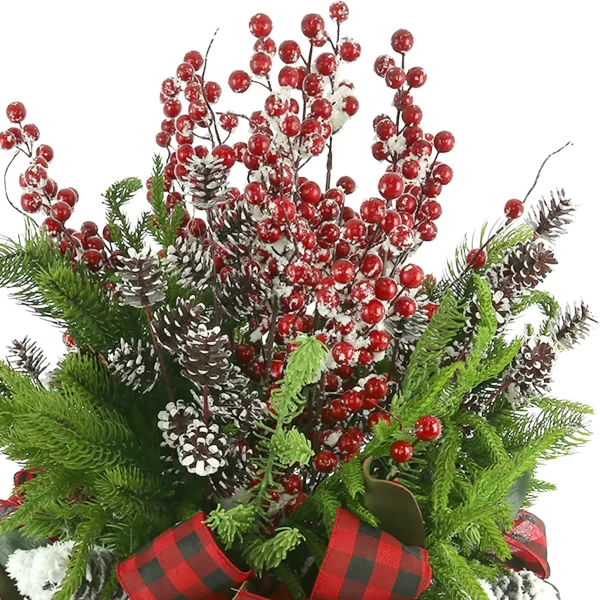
[{"x": 271, "y": 352}]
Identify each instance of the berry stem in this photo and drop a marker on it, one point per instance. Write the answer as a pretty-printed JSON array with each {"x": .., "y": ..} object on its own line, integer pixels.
[{"x": 329, "y": 164}]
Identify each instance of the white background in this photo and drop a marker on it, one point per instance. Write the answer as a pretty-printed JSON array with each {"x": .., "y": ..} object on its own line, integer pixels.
[{"x": 512, "y": 80}]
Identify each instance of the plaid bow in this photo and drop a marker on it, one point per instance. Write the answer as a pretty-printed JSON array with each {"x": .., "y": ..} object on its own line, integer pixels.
[
  {"x": 528, "y": 545},
  {"x": 183, "y": 563}
]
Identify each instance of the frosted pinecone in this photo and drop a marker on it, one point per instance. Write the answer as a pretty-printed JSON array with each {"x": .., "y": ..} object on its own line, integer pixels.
[
  {"x": 173, "y": 325},
  {"x": 234, "y": 474},
  {"x": 233, "y": 226},
  {"x": 135, "y": 364},
  {"x": 97, "y": 575},
  {"x": 551, "y": 217},
  {"x": 522, "y": 585},
  {"x": 202, "y": 449},
  {"x": 190, "y": 262},
  {"x": 206, "y": 182},
  {"x": 26, "y": 357},
  {"x": 528, "y": 265},
  {"x": 531, "y": 370},
  {"x": 175, "y": 420},
  {"x": 240, "y": 294},
  {"x": 142, "y": 283},
  {"x": 205, "y": 358},
  {"x": 572, "y": 326}
]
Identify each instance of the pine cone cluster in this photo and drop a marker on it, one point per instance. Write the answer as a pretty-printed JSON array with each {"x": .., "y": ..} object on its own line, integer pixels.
[
  {"x": 135, "y": 364},
  {"x": 190, "y": 261},
  {"x": 173, "y": 325},
  {"x": 206, "y": 182},
  {"x": 142, "y": 283}
]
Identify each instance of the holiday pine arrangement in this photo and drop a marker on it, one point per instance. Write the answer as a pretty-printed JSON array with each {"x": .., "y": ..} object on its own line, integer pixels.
[{"x": 263, "y": 394}]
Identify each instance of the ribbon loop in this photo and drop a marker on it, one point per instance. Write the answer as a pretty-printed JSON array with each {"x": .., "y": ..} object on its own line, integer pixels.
[
  {"x": 183, "y": 563},
  {"x": 528, "y": 545}
]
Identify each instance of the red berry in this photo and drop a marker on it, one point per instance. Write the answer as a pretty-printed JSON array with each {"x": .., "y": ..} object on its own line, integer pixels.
[
  {"x": 289, "y": 51},
  {"x": 212, "y": 90},
  {"x": 427, "y": 230},
  {"x": 245, "y": 353},
  {"x": 402, "y": 41},
  {"x": 326, "y": 64},
  {"x": 377, "y": 388},
  {"x": 442, "y": 174},
  {"x": 61, "y": 211},
  {"x": 350, "y": 105},
  {"x": 411, "y": 276},
  {"x": 416, "y": 77},
  {"x": 363, "y": 292},
  {"x": 353, "y": 401},
  {"x": 401, "y": 451},
  {"x": 355, "y": 230},
  {"x": 412, "y": 114},
  {"x": 194, "y": 58},
  {"x": 289, "y": 77},
  {"x": 382, "y": 64},
  {"x": 395, "y": 77},
  {"x": 172, "y": 108},
  {"x": 386, "y": 288},
  {"x": 349, "y": 50},
  {"x": 410, "y": 169},
  {"x": 339, "y": 11},
  {"x": 371, "y": 266},
  {"x": 372, "y": 210},
  {"x": 477, "y": 258},
  {"x": 185, "y": 71},
  {"x": 259, "y": 144},
  {"x": 89, "y": 228},
  {"x": 391, "y": 186},
  {"x": 348, "y": 443},
  {"x": 325, "y": 461},
  {"x": 292, "y": 484},
  {"x": 430, "y": 309},
  {"x": 16, "y": 112},
  {"x": 92, "y": 259},
  {"x": 68, "y": 195},
  {"x": 260, "y": 63},
  {"x": 313, "y": 85},
  {"x": 347, "y": 184},
  {"x": 431, "y": 210},
  {"x": 405, "y": 307},
  {"x": 226, "y": 154},
  {"x": 31, "y": 131},
  {"x": 428, "y": 428},
  {"x": 163, "y": 139},
  {"x": 379, "y": 341},
  {"x": 31, "y": 202},
  {"x": 443, "y": 141},
  {"x": 513, "y": 209},
  {"x": 385, "y": 129},
  {"x": 7, "y": 140},
  {"x": 343, "y": 271},
  {"x": 312, "y": 25},
  {"x": 261, "y": 25},
  {"x": 239, "y": 81},
  {"x": 372, "y": 312}
]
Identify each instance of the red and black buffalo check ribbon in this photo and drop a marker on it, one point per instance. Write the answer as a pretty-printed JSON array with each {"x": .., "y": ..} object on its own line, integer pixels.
[
  {"x": 183, "y": 563},
  {"x": 528, "y": 544},
  {"x": 361, "y": 563}
]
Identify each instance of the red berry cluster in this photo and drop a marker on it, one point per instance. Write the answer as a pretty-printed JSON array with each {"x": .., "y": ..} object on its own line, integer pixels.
[{"x": 41, "y": 194}]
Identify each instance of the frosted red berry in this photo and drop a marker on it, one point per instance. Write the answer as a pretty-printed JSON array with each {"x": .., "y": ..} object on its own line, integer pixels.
[
  {"x": 7, "y": 140},
  {"x": 513, "y": 209},
  {"x": 391, "y": 186},
  {"x": 477, "y": 258},
  {"x": 402, "y": 41},
  {"x": 289, "y": 51},
  {"x": 325, "y": 461},
  {"x": 194, "y": 58},
  {"x": 326, "y": 64},
  {"x": 349, "y": 50},
  {"x": 16, "y": 112},
  {"x": 411, "y": 276},
  {"x": 261, "y": 25},
  {"x": 339, "y": 11},
  {"x": 416, "y": 77},
  {"x": 312, "y": 25},
  {"x": 239, "y": 81},
  {"x": 443, "y": 141},
  {"x": 382, "y": 64},
  {"x": 395, "y": 77}
]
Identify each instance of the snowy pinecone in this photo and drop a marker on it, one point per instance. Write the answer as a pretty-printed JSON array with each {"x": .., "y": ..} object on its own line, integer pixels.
[
  {"x": 204, "y": 358},
  {"x": 135, "y": 364},
  {"x": 531, "y": 370},
  {"x": 97, "y": 575},
  {"x": 206, "y": 182},
  {"x": 173, "y": 325},
  {"x": 190, "y": 262},
  {"x": 551, "y": 217},
  {"x": 202, "y": 449},
  {"x": 234, "y": 474},
  {"x": 142, "y": 283},
  {"x": 175, "y": 420},
  {"x": 528, "y": 265},
  {"x": 233, "y": 226},
  {"x": 26, "y": 357},
  {"x": 240, "y": 294},
  {"x": 572, "y": 326},
  {"x": 522, "y": 585}
]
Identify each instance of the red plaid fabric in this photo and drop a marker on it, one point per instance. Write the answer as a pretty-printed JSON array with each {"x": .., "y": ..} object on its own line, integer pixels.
[
  {"x": 528, "y": 544},
  {"x": 244, "y": 595},
  {"x": 9, "y": 506},
  {"x": 183, "y": 563},
  {"x": 364, "y": 563}
]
